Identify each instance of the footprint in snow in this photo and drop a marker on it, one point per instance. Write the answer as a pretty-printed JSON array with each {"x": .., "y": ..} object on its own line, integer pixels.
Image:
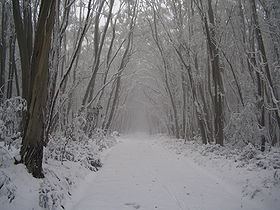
[{"x": 133, "y": 204}]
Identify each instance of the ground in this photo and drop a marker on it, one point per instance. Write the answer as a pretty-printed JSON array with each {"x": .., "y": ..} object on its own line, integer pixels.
[
  {"x": 145, "y": 172},
  {"x": 139, "y": 173}
]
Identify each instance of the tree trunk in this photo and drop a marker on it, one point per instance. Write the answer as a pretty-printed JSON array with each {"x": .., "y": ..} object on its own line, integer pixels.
[
  {"x": 217, "y": 75},
  {"x": 11, "y": 65},
  {"x": 98, "y": 46},
  {"x": 24, "y": 32},
  {"x": 3, "y": 49},
  {"x": 124, "y": 61},
  {"x": 184, "y": 104},
  {"x": 33, "y": 140}
]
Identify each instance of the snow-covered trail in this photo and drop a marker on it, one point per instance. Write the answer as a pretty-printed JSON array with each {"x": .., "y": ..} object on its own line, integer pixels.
[{"x": 139, "y": 174}]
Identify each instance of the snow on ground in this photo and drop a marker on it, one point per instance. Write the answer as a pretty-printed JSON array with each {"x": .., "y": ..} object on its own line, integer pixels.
[
  {"x": 140, "y": 173},
  {"x": 143, "y": 172},
  {"x": 27, "y": 193},
  {"x": 254, "y": 174},
  {"x": 19, "y": 190}
]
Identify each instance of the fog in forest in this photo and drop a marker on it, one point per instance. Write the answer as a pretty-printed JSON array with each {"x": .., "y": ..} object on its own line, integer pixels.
[{"x": 80, "y": 77}]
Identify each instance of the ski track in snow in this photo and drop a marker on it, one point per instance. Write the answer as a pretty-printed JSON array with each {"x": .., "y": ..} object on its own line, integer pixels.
[{"x": 139, "y": 174}]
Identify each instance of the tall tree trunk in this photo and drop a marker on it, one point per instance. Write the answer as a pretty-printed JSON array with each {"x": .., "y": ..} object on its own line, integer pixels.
[
  {"x": 118, "y": 83},
  {"x": 73, "y": 58},
  {"x": 11, "y": 65},
  {"x": 124, "y": 61},
  {"x": 98, "y": 46},
  {"x": 104, "y": 120},
  {"x": 158, "y": 42},
  {"x": 183, "y": 76},
  {"x": 109, "y": 60},
  {"x": 217, "y": 75},
  {"x": 33, "y": 140},
  {"x": 3, "y": 48},
  {"x": 24, "y": 32}
]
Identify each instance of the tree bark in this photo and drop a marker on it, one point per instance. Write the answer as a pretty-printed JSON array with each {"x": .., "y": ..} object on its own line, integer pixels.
[
  {"x": 11, "y": 65},
  {"x": 24, "y": 32},
  {"x": 33, "y": 140},
  {"x": 3, "y": 49},
  {"x": 217, "y": 76},
  {"x": 184, "y": 90}
]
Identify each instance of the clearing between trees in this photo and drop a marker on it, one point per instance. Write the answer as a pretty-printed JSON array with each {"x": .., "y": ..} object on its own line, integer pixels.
[{"x": 139, "y": 173}]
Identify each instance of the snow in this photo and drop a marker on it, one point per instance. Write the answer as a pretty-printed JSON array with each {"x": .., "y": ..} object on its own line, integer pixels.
[
  {"x": 144, "y": 172},
  {"x": 19, "y": 190},
  {"x": 255, "y": 175},
  {"x": 139, "y": 173},
  {"x": 24, "y": 189}
]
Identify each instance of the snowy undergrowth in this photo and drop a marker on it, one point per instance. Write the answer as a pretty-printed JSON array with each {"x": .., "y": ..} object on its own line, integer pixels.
[
  {"x": 69, "y": 156},
  {"x": 255, "y": 173},
  {"x": 67, "y": 160}
]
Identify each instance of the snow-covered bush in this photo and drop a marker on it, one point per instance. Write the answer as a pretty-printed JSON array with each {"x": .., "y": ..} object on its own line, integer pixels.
[
  {"x": 243, "y": 128},
  {"x": 11, "y": 114},
  {"x": 268, "y": 160},
  {"x": 115, "y": 134},
  {"x": 74, "y": 147},
  {"x": 7, "y": 188},
  {"x": 249, "y": 152},
  {"x": 69, "y": 155},
  {"x": 51, "y": 194},
  {"x": 89, "y": 118},
  {"x": 2, "y": 130},
  {"x": 5, "y": 157},
  {"x": 63, "y": 148},
  {"x": 102, "y": 140}
]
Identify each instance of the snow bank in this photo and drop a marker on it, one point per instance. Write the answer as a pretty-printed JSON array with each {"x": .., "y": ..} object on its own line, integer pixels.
[
  {"x": 255, "y": 173},
  {"x": 66, "y": 163}
]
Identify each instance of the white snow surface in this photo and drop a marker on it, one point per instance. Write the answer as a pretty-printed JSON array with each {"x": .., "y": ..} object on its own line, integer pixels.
[
  {"x": 20, "y": 191},
  {"x": 146, "y": 173}
]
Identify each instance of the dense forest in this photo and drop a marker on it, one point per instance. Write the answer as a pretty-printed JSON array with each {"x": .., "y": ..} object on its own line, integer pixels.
[
  {"x": 201, "y": 77},
  {"x": 187, "y": 68}
]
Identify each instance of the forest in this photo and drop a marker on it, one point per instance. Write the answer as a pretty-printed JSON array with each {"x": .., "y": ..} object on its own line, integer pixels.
[{"x": 75, "y": 73}]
